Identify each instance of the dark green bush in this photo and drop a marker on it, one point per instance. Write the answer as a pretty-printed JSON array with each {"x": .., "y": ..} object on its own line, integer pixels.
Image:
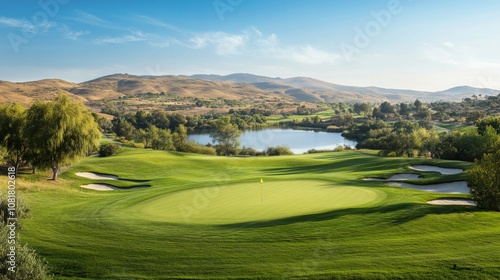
[
  {"x": 108, "y": 149},
  {"x": 250, "y": 152},
  {"x": 193, "y": 147},
  {"x": 278, "y": 151}
]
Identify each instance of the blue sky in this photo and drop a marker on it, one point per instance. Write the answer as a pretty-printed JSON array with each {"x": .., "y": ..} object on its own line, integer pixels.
[{"x": 409, "y": 44}]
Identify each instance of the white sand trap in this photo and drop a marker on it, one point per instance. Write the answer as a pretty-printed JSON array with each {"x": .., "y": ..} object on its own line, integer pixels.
[
  {"x": 105, "y": 187},
  {"x": 396, "y": 177},
  {"x": 374, "y": 179},
  {"x": 96, "y": 176},
  {"x": 451, "y": 187},
  {"x": 452, "y": 201},
  {"x": 441, "y": 170}
]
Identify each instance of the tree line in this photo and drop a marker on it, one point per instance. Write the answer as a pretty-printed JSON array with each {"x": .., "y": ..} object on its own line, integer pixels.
[
  {"x": 48, "y": 134},
  {"x": 410, "y": 139}
]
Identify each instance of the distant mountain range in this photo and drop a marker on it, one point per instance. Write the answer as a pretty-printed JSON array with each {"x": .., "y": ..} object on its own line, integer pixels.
[
  {"x": 234, "y": 86},
  {"x": 310, "y": 89}
]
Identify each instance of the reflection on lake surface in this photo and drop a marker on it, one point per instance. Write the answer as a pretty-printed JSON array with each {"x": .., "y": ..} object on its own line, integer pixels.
[{"x": 299, "y": 141}]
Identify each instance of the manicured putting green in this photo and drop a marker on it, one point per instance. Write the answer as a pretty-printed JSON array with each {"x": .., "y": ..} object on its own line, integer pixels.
[{"x": 239, "y": 203}]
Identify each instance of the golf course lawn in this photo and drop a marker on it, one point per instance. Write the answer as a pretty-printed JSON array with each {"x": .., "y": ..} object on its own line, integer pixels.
[
  {"x": 202, "y": 218},
  {"x": 245, "y": 202}
]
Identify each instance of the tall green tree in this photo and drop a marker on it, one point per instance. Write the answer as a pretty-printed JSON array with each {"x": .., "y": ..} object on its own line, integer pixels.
[
  {"x": 12, "y": 133},
  {"x": 491, "y": 121},
  {"x": 418, "y": 104},
  {"x": 484, "y": 180},
  {"x": 179, "y": 138},
  {"x": 227, "y": 136},
  {"x": 163, "y": 140},
  {"x": 60, "y": 132}
]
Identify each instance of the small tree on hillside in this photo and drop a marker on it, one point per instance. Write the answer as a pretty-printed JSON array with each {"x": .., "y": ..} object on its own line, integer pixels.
[
  {"x": 484, "y": 181},
  {"x": 60, "y": 132}
]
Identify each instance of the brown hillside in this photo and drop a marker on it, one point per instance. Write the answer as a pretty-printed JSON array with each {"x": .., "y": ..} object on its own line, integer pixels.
[
  {"x": 129, "y": 93},
  {"x": 113, "y": 86},
  {"x": 26, "y": 92}
]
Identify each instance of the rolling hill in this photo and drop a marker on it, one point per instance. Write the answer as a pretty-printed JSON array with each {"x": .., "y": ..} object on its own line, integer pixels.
[
  {"x": 113, "y": 87},
  {"x": 246, "y": 87},
  {"x": 329, "y": 91}
]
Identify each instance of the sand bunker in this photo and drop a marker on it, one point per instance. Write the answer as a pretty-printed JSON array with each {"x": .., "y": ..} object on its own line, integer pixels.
[
  {"x": 396, "y": 177},
  {"x": 452, "y": 201},
  {"x": 106, "y": 187},
  {"x": 441, "y": 170},
  {"x": 451, "y": 187},
  {"x": 96, "y": 176}
]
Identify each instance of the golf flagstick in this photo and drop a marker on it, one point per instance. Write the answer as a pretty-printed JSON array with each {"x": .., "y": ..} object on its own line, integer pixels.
[{"x": 261, "y": 183}]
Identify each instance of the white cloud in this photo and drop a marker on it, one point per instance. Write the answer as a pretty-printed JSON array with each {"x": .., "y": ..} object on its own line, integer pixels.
[
  {"x": 304, "y": 54},
  {"x": 310, "y": 55},
  {"x": 224, "y": 43},
  {"x": 457, "y": 55},
  {"x": 22, "y": 24},
  {"x": 449, "y": 44},
  {"x": 26, "y": 25},
  {"x": 162, "y": 44},
  {"x": 252, "y": 41},
  {"x": 118, "y": 40},
  {"x": 157, "y": 22},
  {"x": 74, "y": 35},
  {"x": 91, "y": 19},
  {"x": 71, "y": 34}
]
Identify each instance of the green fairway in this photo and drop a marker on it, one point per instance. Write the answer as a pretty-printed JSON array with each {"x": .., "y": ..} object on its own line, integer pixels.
[
  {"x": 318, "y": 220},
  {"x": 242, "y": 202}
]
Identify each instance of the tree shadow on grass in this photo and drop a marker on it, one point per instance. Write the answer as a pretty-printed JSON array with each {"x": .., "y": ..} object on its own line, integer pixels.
[{"x": 398, "y": 214}]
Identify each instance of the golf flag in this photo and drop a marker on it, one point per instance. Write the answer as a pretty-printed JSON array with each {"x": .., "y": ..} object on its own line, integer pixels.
[{"x": 261, "y": 197}]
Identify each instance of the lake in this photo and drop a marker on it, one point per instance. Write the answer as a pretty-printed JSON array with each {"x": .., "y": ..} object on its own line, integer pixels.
[{"x": 299, "y": 141}]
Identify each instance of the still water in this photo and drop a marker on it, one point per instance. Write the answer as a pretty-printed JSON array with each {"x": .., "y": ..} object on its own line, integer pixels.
[{"x": 299, "y": 141}]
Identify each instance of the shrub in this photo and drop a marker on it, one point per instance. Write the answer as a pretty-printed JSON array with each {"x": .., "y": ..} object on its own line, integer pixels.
[
  {"x": 138, "y": 145},
  {"x": 250, "y": 152},
  {"x": 29, "y": 266},
  {"x": 193, "y": 147},
  {"x": 108, "y": 149},
  {"x": 22, "y": 210},
  {"x": 278, "y": 151},
  {"x": 386, "y": 153},
  {"x": 484, "y": 182},
  {"x": 314, "y": 151},
  {"x": 339, "y": 148}
]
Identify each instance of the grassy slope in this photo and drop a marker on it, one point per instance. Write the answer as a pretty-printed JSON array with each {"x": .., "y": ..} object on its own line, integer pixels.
[{"x": 88, "y": 234}]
